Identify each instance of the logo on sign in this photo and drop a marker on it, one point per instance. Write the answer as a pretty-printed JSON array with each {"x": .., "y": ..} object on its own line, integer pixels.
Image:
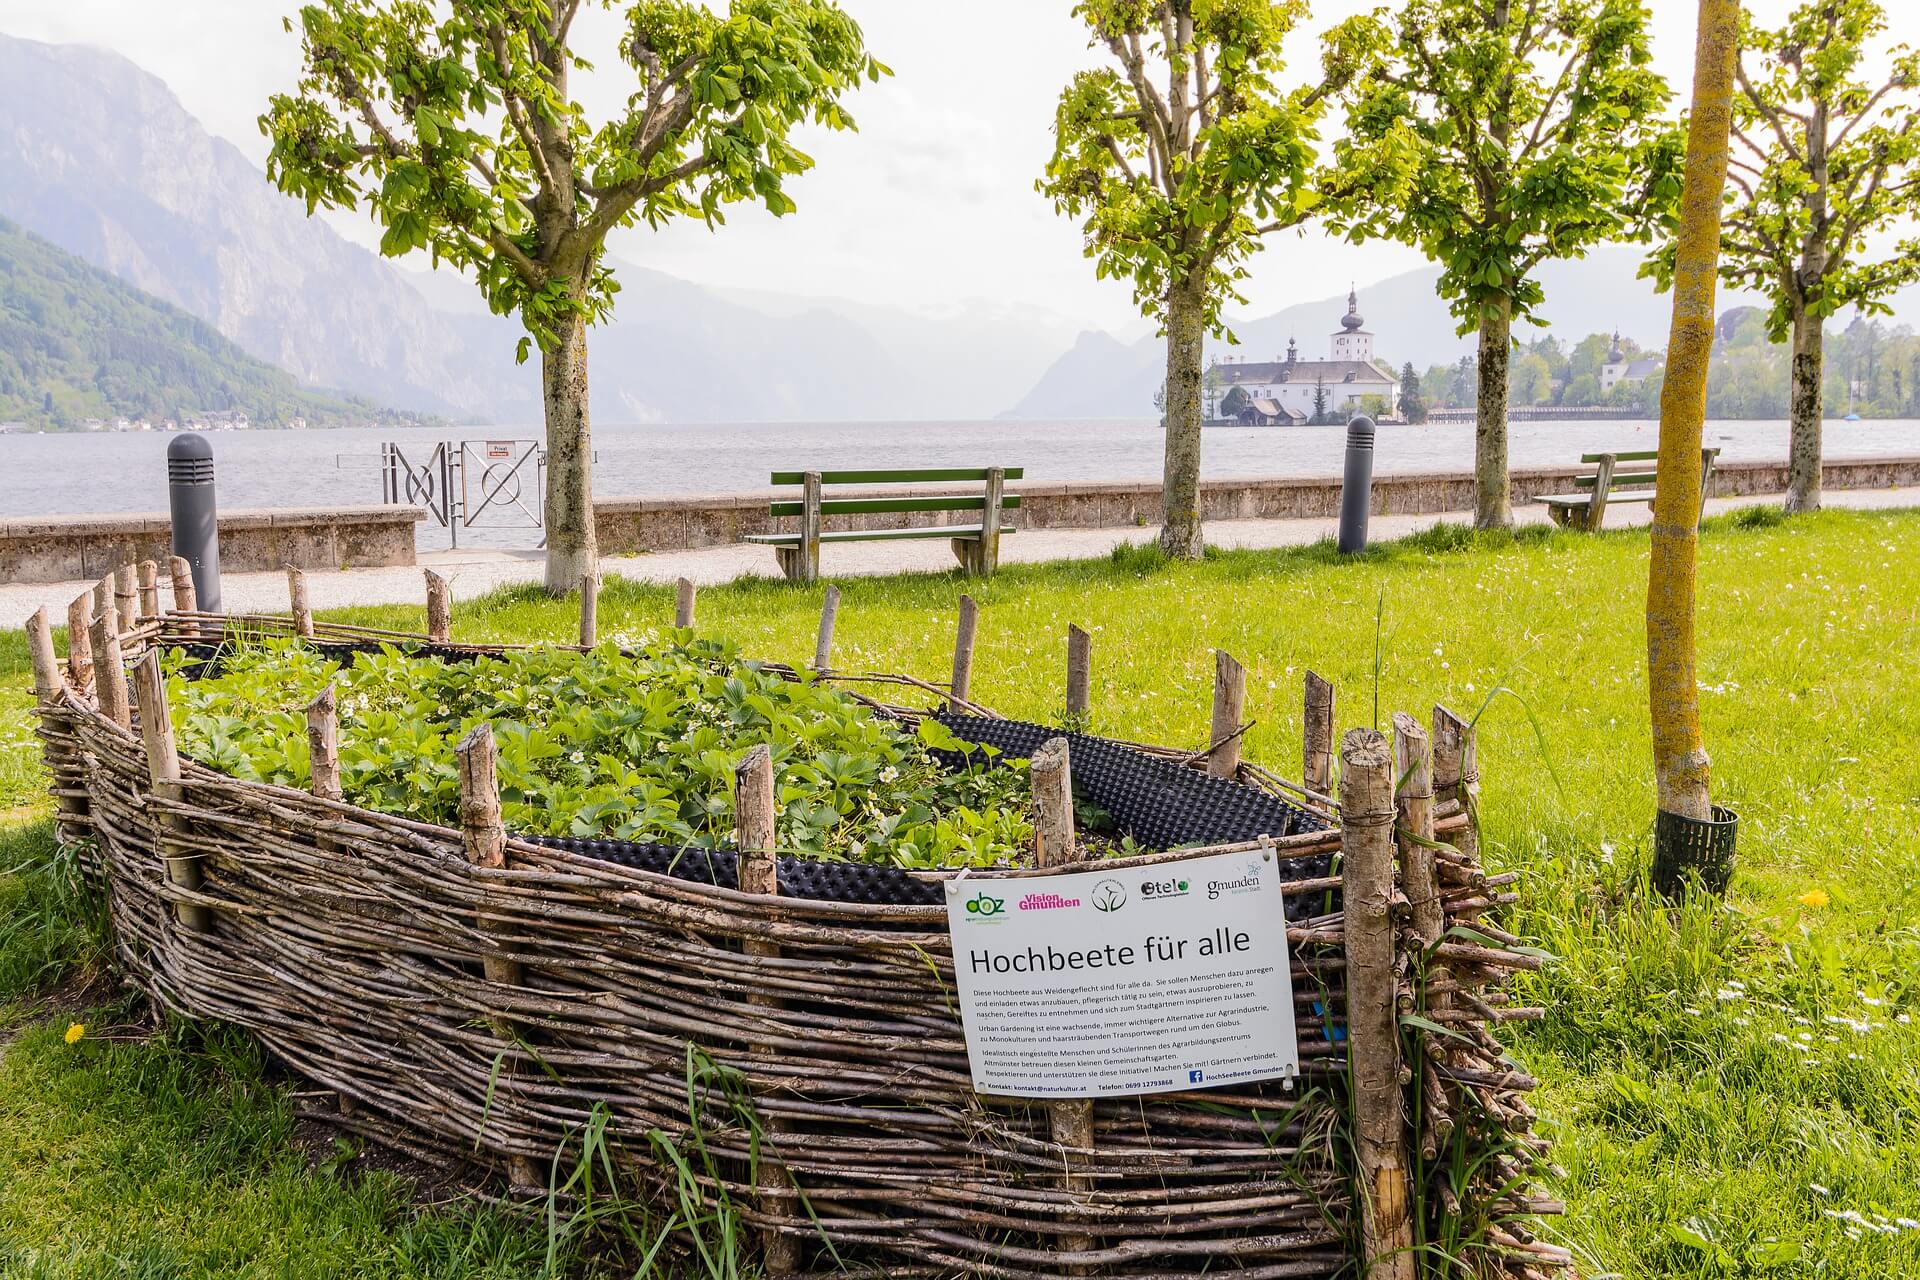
[
  {"x": 1047, "y": 902},
  {"x": 1248, "y": 883},
  {"x": 1160, "y": 889},
  {"x": 1109, "y": 895},
  {"x": 1196, "y": 1077},
  {"x": 985, "y": 907}
]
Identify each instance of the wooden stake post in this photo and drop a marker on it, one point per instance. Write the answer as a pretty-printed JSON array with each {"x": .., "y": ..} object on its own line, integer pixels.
[
  {"x": 181, "y": 573},
  {"x": 1373, "y": 1034},
  {"x": 823, "y": 645},
  {"x": 1413, "y": 804},
  {"x": 484, "y": 838},
  {"x": 184, "y": 599},
  {"x": 46, "y": 667},
  {"x": 46, "y": 691},
  {"x": 439, "y": 608},
  {"x": 80, "y": 643},
  {"x": 1456, "y": 774},
  {"x": 149, "y": 589},
  {"x": 1079, "y": 671},
  {"x": 753, "y": 836},
  {"x": 126, "y": 597},
  {"x": 1051, "y": 775},
  {"x": 963, "y": 637},
  {"x": 297, "y": 602},
  {"x": 589, "y": 610},
  {"x": 683, "y": 603},
  {"x": 323, "y": 744},
  {"x": 1316, "y": 736},
  {"x": 1229, "y": 705},
  {"x": 163, "y": 775},
  {"x": 109, "y": 671}
]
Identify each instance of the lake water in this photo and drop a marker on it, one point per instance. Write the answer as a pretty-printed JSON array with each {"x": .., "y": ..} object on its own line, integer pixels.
[{"x": 120, "y": 472}]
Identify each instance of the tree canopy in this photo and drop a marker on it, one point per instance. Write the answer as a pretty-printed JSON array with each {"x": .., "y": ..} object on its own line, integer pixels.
[
  {"x": 1826, "y": 155},
  {"x": 1170, "y": 183},
  {"x": 1496, "y": 135},
  {"x": 455, "y": 125}
]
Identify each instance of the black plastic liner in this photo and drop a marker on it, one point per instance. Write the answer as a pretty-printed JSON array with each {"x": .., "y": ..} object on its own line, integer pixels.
[
  {"x": 1162, "y": 805},
  {"x": 799, "y": 877}
]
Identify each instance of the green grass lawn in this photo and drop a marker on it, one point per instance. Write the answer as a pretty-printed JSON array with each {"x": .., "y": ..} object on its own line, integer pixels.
[{"x": 1732, "y": 1091}]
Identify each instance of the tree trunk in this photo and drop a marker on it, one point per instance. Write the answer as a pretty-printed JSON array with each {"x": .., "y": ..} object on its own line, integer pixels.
[
  {"x": 572, "y": 549},
  {"x": 1180, "y": 533},
  {"x": 1680, "y": 766},
  {"x": 1803, "y": 448},
  {"x": 1492, "y": 500}
]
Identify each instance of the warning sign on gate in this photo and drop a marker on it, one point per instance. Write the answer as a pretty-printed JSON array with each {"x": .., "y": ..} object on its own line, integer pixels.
[
  {"x": 1152, "y": 979},
  {"x": 500, "y": 450}
]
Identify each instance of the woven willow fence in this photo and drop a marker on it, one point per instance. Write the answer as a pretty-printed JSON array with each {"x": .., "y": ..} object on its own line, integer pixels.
[{"x": 471, "y": 996}]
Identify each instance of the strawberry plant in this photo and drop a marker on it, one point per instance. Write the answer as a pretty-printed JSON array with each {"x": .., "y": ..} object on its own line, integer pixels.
[{"x": 636, "y": 745}]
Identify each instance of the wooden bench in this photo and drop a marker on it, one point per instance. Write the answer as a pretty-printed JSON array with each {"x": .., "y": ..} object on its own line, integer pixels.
[
  {"x": 976, "y": 546},
  {"x": 1609, "y": 484}
]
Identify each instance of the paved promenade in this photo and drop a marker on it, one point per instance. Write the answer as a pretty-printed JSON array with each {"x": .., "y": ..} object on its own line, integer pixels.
[{"x": 476, "y": 572}]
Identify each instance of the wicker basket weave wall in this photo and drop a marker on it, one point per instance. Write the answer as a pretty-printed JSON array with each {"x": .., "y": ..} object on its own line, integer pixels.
[{"x": 352, "y": 944}]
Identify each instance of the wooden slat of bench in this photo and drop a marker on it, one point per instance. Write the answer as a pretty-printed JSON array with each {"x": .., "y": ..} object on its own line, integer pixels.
[
  {"x": 925, "y": 475},
  {"x": 863, "y": 506},
  {"x": 875, "y": 535},
  {"x": 1584, "y": 500},
  {"x": 1619, "y": 478},
  {"x": 1642, "y": 455}
]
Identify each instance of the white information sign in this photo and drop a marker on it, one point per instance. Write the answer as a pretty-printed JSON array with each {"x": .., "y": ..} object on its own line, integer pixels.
[{"x": 1143, "y": 980}]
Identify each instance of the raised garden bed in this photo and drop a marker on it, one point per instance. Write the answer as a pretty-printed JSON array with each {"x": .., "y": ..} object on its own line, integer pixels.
[{"x": 482, "y": 999}]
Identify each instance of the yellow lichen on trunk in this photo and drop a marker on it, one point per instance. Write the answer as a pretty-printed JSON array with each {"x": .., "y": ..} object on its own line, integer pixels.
[{"x": 1680, "y": 763}]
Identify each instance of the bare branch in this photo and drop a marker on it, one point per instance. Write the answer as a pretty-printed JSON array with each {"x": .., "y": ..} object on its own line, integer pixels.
[
  {"x": 1862, "y": 114},
  {"x": 517, "y": 113},
  {"x": 1771, "y": 112},
  {"x": 1158, "y": 126}
]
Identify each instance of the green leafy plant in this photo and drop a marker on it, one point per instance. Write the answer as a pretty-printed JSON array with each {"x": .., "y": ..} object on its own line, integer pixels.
[{"x": 628, "y": 745}]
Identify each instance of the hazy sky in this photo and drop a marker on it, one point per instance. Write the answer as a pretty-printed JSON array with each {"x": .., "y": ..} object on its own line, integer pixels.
[{"x": 931, "y": 202}]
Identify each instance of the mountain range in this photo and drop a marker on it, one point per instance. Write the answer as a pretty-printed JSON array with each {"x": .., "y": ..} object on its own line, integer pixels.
[
  {"x": 77, "y": 342},
  {"x": 101, "y": 159}
]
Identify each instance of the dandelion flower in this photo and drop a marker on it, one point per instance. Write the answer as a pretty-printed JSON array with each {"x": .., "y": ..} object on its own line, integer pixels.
[
  {"x": 1815, "y": 898},
  {"x": 74, "y": 1031}
]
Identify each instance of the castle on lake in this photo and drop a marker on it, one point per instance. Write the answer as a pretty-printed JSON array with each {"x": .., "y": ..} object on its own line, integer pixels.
[{"x": 1287, "y": 389}]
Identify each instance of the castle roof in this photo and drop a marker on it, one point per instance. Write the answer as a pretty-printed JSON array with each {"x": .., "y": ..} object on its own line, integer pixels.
[
  {"x": 1351, "y": 321},
  {"x": 1265, "y": 372}
]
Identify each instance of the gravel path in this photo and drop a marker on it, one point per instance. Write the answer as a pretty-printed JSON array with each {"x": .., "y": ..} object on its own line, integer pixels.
[{"x": 477, "y": 572}]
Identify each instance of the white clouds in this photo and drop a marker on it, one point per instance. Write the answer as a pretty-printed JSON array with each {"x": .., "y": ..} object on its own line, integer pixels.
[{"x": 931, "y": 201}]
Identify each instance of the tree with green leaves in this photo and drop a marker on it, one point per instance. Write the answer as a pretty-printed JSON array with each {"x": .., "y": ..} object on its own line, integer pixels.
[
  {"x": 1234, "y": 403},
  {"x": 1319, "y": 399},
  {"x": 456, "y": 125},
  {"x": 1178, "y": 160},
  {"x": 1495, "y": 135},
  {"x": 1681, "y": 767},
  {"x": 1826, "y": 155},
  {"x": 1413, "y": 404}
]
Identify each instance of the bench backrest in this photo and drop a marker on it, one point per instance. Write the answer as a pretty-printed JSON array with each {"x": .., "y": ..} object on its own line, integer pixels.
[
  {"x": 908, "y": 502},
  {"x": 1628, "y": 479}
]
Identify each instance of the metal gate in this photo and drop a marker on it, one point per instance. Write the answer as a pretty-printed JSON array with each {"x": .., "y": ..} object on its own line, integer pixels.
[{"x": 470, "y": 484}]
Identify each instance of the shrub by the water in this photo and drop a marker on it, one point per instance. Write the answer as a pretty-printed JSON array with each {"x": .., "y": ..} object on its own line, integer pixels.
[{"x": 637, "y": 745}]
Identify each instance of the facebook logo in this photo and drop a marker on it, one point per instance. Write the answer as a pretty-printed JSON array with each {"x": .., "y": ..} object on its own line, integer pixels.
[{"x": 1195, "y": 1077}]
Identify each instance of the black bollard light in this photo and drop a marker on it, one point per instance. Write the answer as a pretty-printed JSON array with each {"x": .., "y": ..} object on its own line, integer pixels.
[
  {"x": 196, "y": 527},
  {"x": 1356, "y": 490}
]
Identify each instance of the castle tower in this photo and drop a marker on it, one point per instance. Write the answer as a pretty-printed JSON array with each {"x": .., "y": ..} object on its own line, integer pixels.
[{"x": 1352, "y": 341}]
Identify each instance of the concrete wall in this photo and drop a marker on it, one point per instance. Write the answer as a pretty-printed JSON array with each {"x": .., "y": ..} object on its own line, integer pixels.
[
  {"x": 82, "y": 548},
  {"x": 628, "y": 525}
]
